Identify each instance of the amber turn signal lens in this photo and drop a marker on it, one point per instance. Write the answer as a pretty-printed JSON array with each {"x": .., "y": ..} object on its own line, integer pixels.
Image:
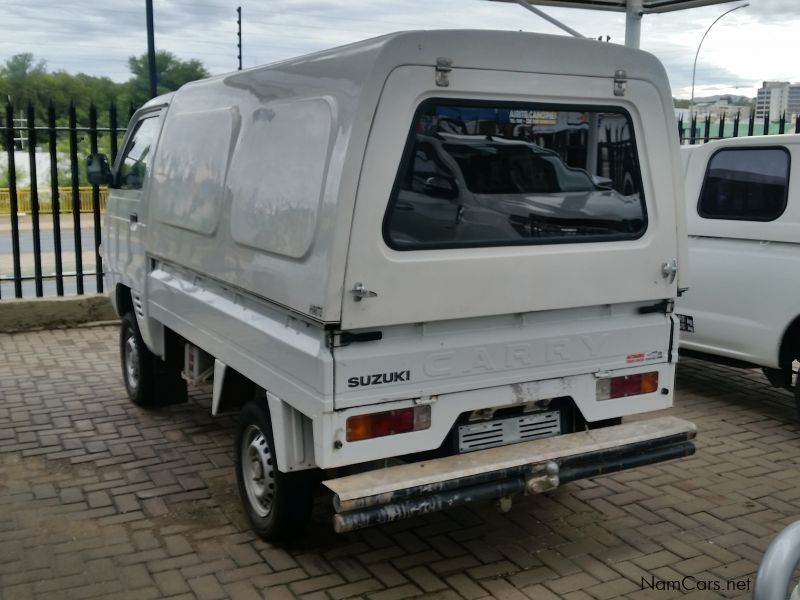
[
  {"x": 627, "y": 385},
  {"x": 390, "y": 422}
]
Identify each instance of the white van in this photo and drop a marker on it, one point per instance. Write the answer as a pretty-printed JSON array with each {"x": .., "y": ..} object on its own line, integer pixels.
[
  {"x": 428, "y": 268},
  {"x": 743, "y": 212}
]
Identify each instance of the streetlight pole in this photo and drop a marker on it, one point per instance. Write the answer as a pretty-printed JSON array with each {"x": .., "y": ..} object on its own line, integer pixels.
[{"x": 696, "y": 54}]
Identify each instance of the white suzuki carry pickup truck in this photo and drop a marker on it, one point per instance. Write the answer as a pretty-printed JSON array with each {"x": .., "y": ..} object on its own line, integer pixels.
[
  {"x": 743, "y": 214},
  {"x": 427, "y": 269}
]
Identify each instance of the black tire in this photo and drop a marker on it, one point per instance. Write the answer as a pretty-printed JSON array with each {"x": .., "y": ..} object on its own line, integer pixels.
[
  {"x": 278, "y": 505},
  {"x": 797, "y": 394},
  {"x": 137, "y": 363},
  {"x": 778, "y": 377}
]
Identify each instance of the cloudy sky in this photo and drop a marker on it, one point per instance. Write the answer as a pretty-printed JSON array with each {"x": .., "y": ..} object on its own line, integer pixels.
[{"x": 750, "y": 45}]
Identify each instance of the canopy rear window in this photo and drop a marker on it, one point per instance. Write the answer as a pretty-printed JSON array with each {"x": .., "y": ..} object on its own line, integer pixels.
[{"x": 492, "y": 174}]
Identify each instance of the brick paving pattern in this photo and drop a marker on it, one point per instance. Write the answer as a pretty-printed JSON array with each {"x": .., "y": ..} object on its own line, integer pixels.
[{"x": 101, "y": 499}]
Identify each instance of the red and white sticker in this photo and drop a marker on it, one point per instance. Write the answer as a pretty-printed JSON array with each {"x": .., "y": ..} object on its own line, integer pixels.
[{"x": 644, "y": 356}]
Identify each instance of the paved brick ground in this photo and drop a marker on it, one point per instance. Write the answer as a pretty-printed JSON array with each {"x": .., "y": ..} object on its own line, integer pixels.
[{"x": 99, "y": 499}]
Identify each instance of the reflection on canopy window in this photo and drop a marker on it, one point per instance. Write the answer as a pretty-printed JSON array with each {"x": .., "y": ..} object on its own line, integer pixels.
[{"x": 501, "y": 174}]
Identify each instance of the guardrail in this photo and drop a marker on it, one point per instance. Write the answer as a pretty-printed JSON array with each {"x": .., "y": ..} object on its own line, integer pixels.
[{"x": 25, "y": 199}]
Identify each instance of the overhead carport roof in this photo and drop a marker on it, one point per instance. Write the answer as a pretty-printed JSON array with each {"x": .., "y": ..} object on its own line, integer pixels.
[
  {"x": 633, "y": 9},
  {"x": 645, "y": 6}
]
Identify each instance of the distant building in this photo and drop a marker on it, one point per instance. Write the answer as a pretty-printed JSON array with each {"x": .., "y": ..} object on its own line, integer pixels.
[
  {"x": 793, "y": 107},
  {"x": 776, "y": 98},
  {"x": 720, "y": 107}
]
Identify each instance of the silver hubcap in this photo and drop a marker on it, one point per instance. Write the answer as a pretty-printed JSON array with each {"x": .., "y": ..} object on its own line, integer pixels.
[
  {"x": 258, "y": 471},
  {"x": 132, "y": 362}
]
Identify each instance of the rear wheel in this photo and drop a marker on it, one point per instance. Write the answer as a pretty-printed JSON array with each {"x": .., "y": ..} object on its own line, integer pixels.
[
  {"x": 797, "y": 393},
  {"x": 137, "y": 363},
  {"x": 149, "y": 381},
  {"x": 278, "y": 505}
]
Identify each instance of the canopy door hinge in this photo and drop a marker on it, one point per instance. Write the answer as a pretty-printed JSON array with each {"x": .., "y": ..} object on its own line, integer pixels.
[
  {"x": 620, "y": 82},
  {"x": 443, "y": 68}
]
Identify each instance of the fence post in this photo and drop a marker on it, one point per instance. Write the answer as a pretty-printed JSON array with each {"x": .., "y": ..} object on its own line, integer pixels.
[
  {"x": 782, "y": 122},
  {"x": 680, "y": 129},
  {"x": 37, "y": 244},
  {"x": 76, "y": 196},
  {"x": 112, "y": 125},
  {"x": 751, "y": 123},
  {"x": 56, "y": 203},
  {"x": 721, "y": 134},
  {"x": 766, "y": 123},
  {"x": 736, "y": 123},
  {"x": 707, "y": 128},
  {"x": 694, "y": 129},
  {"x": 98, "y": 261},
  {"x": 797, "y": 123},
  {"x": 12, "y": 191}
]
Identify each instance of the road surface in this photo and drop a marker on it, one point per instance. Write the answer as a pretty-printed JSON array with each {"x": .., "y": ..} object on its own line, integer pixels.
[{"x": 48, "y": 254}]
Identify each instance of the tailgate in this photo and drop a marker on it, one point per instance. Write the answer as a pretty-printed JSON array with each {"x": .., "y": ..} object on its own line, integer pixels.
[
  {"x": 575, "y": 245},
  {"x": 429, "y": 359}
]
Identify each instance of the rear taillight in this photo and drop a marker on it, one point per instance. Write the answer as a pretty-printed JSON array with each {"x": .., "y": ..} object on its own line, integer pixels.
[
  {"x": 390, "y": 422},
  {"x": 627, "y": 385}
]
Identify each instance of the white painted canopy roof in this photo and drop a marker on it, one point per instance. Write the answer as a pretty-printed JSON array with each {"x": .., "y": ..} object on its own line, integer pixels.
[{"x": 648, "y": 6}]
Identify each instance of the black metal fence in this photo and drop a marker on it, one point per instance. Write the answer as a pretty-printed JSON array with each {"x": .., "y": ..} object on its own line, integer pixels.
[
  {"x": 50, "y": 217},
  {"x": 49, "y": 221},
  {"x": 724, "y": 127}
]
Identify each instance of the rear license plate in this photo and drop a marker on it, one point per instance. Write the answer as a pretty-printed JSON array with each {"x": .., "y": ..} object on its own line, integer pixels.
[{"x": 510, "y": 430}]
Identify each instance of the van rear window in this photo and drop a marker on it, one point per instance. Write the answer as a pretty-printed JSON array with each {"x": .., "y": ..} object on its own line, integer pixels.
[
  {"x": 746, "y": 184},
  {"x": 492, "y": 174}
]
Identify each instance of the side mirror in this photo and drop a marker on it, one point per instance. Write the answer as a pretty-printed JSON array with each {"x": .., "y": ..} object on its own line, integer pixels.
[
  {"x": 441, "y": 187},
  {"x": 98, "y": 171}
]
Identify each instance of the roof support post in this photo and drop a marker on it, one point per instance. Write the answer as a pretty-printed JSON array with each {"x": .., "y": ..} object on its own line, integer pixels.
[{"x": 633, "y": 23}]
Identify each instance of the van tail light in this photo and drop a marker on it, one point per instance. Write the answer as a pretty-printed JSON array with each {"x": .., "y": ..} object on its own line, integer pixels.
[
  {"x": 627, "y": 385},
  {"x": 390, "y": 422}
]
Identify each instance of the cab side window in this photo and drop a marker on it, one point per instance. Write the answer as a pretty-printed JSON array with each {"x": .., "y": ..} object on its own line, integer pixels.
[
  {"x": 746, "y": 184},
  {"x": 135, "y": 159}
]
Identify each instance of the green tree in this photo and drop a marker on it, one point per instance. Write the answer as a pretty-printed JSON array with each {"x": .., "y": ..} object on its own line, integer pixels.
[
  {"x": 3, "y": 175},
  {"x": 24, "y": 79},
  {"x": 171, "y": 73},
  {"x": 21, "y": 65}
]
